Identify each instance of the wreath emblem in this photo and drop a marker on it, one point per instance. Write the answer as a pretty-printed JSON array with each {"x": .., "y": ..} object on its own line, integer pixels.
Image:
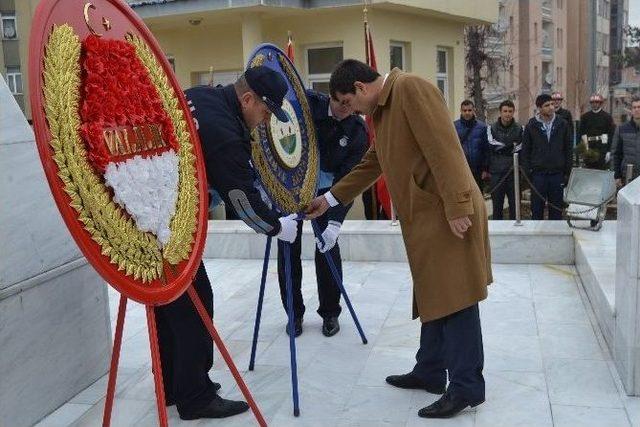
[{"x": 123, "y": 150}]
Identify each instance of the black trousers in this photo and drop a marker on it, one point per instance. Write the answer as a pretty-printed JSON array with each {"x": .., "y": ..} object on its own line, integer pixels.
[
  {"x": 328, "y": 291},
  {"x": 454, "y": 344},
  {"x": 499, "y": 193},
  {"x": 550, "y": 186},
  {"x": 372, "y": 208},
  {"x": 186, "y": 348}
]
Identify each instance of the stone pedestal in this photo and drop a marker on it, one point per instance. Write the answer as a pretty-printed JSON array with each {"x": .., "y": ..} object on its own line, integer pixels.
[
  {"x": 627, "y": 293},
  {"x": 54, "y": 317}
]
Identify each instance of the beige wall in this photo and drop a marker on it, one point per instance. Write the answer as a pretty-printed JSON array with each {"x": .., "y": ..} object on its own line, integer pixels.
[{"x": 221, "y": 45}]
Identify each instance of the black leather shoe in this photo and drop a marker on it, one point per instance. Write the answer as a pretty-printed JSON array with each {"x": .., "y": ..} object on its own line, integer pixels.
[
  {"x": 170, "y": 401},
  {"x": 217, "y": 408},
  {"x": 446, "y": 407},
  {"x": 413, "y": 382},
  {"x": 297, "y": 327},
  {"x": 330, "y": 326}
]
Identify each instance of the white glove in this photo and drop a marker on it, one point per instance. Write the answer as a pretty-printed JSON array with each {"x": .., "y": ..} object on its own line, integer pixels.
[
  {"x": 288, "y": 228},
  {"x": 330, "y": 237},
  {"x": 607, "y": 157}
]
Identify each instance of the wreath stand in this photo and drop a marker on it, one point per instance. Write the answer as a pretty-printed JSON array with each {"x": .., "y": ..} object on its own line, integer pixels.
[
  {"x": 156, "y": 366},
  {"x": 290, "y": 315}
]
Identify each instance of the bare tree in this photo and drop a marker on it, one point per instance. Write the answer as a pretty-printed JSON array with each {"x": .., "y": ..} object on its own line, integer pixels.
[{"x": 485, "y": 56}]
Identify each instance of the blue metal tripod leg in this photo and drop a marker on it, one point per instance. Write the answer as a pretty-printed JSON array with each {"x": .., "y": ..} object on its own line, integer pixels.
[
  {"x": 263, "y": 281},
  {"x": 292, "y": 339},
  {"x": 338, "y": 280}
]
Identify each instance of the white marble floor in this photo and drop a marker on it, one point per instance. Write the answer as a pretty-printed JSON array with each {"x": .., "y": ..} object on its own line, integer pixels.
[{"x": 545, "y": 364}]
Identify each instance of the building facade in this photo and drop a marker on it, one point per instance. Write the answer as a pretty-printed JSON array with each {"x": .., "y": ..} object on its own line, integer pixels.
[
  {"x": 530, "y": 53},
  {"x": 423, "y": 38},
  {"x": 15, "y": 26},
  {"x": 199, "y": 35},
  {"x": 554, "y": 45}
]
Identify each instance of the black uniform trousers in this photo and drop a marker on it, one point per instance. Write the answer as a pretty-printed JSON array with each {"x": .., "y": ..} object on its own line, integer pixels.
[
  {"x": 186, "y": 348},
  {"x": 499, "y": 192},
  {"x": 453, "y": 343},
  {"x": 550, "y": 186},
  {"x": 328, "y": 291}
]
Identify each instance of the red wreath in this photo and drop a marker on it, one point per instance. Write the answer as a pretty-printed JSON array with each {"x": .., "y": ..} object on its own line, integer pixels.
[{"x": 117, "y": 92}]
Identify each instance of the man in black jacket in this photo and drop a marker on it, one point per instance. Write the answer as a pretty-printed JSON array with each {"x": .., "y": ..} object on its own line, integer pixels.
[
  {"x": 626, "y": 145},
  {"x": 504, "y": 138},
  {"x": 546, "y": 158},
  {"x": 596, "y": 133},
  {"x": 223, "y": 117},
  {"x": 342, "y": 141}
]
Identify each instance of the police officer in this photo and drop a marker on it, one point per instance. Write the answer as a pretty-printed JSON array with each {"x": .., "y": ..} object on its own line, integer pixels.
[
  {"x": 342, "y": 141},
  {"x": 504, "y": 138},
  {"x": 596, "y": 134},
  {"x": 224, "y": 117}
]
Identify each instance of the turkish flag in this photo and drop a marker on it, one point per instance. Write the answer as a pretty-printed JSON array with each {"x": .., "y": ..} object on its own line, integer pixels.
[
  {"x": 290, "y": 47},
  {"x": 382, "y": 193}
]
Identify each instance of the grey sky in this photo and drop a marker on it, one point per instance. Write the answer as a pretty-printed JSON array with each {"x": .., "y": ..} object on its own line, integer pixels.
[{"x": 634, "y": 13}]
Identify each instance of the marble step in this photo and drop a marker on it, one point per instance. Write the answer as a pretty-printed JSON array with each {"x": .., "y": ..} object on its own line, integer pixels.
[{"x": 533, "y": 242}]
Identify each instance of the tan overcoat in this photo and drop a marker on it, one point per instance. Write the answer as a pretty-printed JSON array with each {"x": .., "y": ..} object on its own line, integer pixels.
[{"x": 419, "y": 152}]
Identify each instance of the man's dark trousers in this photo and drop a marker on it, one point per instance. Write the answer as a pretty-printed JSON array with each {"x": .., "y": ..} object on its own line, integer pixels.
[
  {"x": 550, "y": 187},
  {"x": 186, "y": 348},
  {"x": 500, "y": 191},
  {"x": 454, "y": 344},
  {"x": 328, "y": 291}
]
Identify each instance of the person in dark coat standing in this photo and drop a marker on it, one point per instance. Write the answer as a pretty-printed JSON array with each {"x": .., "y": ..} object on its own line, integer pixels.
[
  {"x": 563, "y": 112},
  {"x": 504, "y": 138},
  {"x": 596, "y": 133},
  {"x": 342, "y": 141},
  {"x": 473, "y": 137},
  {"x": 223, "y": 117},
  {"x": 626, "y": 145},
  {"x": 546, "y": 157}
]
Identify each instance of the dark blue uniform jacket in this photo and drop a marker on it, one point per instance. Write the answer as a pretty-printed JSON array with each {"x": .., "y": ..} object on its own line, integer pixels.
[{"x": 226, "y": 146}]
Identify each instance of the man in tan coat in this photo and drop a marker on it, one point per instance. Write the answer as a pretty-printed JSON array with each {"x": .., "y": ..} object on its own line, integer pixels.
[{"x": 444, "y": 225}]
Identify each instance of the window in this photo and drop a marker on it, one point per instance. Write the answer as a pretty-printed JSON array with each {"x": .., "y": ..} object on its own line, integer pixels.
[
  {"x": 536, "y": 75},
  {"x": 320, "y": 62},
  {"x": 442, "y": 72},
  {"x": 511, "y": 28},
  {"x": 535, "y": 32},
  {"x": 397, "y": 56},
  {"x": 511, "y": 76},
  {"x": 9, "y": 29},
  {"x": 559, "y": 4},
  {"x": 560, "y": 77},
  {"x": 14, "y": 80}
]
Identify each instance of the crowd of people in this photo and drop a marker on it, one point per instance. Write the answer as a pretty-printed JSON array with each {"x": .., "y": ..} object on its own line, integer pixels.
[{"x": 550, "y": 144}]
